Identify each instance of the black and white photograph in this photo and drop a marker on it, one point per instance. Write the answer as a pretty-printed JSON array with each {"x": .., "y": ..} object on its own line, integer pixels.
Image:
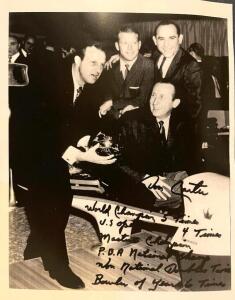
[{"x": 120, "y": 135}]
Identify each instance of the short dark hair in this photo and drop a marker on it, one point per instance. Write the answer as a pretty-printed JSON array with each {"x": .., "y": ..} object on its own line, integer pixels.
[
  {"x": 197, "y": 48},
  {"x": 128, "y": 29},
  {"x": 82, "y": 50},
  {"x": 167, "y": 22}
]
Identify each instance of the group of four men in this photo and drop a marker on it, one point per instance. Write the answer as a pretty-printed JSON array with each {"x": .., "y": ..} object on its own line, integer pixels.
[{"x": 155, "y": 135}]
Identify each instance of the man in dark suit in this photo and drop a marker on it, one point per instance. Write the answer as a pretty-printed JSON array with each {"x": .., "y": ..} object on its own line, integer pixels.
[
  {"x": 82, "y": 111},
  {"x": 28, "y": 45},
  {"x": 49, "y": 194},
  {"x": 178, "y": 66},
  {"x": 130, "y": 80},
  {"x": 19, "y": 98},
  {"x": 158, "y": 143},
  {"x": 156, "y": 150},
  {"x": 15, "y": 55}
]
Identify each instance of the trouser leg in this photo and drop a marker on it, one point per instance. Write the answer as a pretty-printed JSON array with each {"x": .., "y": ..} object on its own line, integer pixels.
[{"x": 47, "y": 211}]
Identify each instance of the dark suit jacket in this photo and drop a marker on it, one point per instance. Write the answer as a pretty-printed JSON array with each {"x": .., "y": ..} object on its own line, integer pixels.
[
  {"x": 121, "y": 92},
  {"x": 20, "y": 119},
  {"x": 142, "y": 150},
  {"x": 185, "y": 73},
  {"x": 32, "y": 134},
  {"x": 142, "y": 153},
  {"x": 72, "y": 121}
]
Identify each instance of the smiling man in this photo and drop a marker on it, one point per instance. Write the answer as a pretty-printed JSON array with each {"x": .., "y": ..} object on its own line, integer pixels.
[
  {"x": 80, "y": 90},
  {"x": 159, "y": 134},
  {"x": 176, "y": 65},
  {"x": 83, "y": 118},
  {"x": 130, "y": 79}
]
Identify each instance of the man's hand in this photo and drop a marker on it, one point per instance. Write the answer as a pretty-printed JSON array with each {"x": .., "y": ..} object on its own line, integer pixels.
[
  {"x": 109, "y": 64},
  {"x": 84, "y": 141},
  {"x": 105, "y": 107},
  {"x": 128, "y": 108},
  {"x": 157, "y": 186},
  {"x": 91, "y": 156}
]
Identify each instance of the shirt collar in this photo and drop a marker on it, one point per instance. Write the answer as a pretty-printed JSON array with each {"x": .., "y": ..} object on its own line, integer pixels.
[
  {"x": 165, "y": 120},
  {"x": 77, "y": 81},
  {"x": 24, "y": 52},
  {"x": 123, "y": 63},
  {"x": 168, "y": 59},
  {"x": 14, "y": 57}
]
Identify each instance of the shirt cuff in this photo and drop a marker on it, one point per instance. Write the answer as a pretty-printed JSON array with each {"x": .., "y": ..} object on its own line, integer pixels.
[{"x": 70, "y": 155}]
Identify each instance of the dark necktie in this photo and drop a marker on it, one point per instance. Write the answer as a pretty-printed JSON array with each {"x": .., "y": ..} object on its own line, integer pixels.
[
  {"x": 162, "y": 133},
  {"x": 126, "y": 71},
  {"x": 78, "y": 93},
  {"x": 161, "y": 66}
]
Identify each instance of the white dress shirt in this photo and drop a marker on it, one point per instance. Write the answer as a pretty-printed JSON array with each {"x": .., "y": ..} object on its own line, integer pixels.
[
  {"x": 24, "y": 52},
  {"x": 77, "y": 82},
  {"x": 123, "y": 64},
  {"x": 166, "y": 122},
  {"x": 14, "y": 57},
  {"x": 166, "y": 64}
]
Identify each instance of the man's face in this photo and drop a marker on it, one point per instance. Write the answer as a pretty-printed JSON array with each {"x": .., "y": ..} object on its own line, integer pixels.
[
  {"x": 29, "y": 45},
  {"x": 128, "y": 45},
  {"x": 92, "y": 64},
  {"x": 162, "y": 100},
  {"x": 167, "y": 40},
  {"x": 13, "y": 46}
]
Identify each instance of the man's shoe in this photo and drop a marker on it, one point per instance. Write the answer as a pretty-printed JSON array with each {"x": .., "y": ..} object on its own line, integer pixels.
[{"x": 65, "y": 277}]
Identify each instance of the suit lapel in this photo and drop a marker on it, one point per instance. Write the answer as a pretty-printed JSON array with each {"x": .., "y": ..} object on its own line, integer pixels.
[
  {"x": 174, "y": 64},
  {"x": 152, "y": 129},
  {"x": 70, "y": 89},
  {"x": 21, "y": 59},
  {"x": 174, "y": 126},
  {"x": 117, "y": 74},
  {"x": 158, "y": 75},
  {"x": 170, "y": 139},
  {"x": 66, "y": 80},
  {"x": 135, "y": 69}
]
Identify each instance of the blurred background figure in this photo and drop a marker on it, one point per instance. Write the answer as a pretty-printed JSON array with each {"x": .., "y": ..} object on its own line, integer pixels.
[
  {"x": 68, "y": 51},
  {"x": 28, "y": 45},
  {"x": 214, "y": 103},
  {"x": 213, "y": 72},
  {"x": 197, "y": 51},
  {"x": 15, "y": 55}
]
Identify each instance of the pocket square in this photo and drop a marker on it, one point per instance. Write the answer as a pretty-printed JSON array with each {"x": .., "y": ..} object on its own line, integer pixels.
[{"x": 134, "y": 87}]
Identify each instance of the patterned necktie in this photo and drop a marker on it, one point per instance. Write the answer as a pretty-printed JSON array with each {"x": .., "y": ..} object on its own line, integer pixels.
[
  {"x": 78, "y": 92},
  {"x": 161, "y": 66},
  {"x": 126, "y": 71},
  {"x": 162, "y": 133}
]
